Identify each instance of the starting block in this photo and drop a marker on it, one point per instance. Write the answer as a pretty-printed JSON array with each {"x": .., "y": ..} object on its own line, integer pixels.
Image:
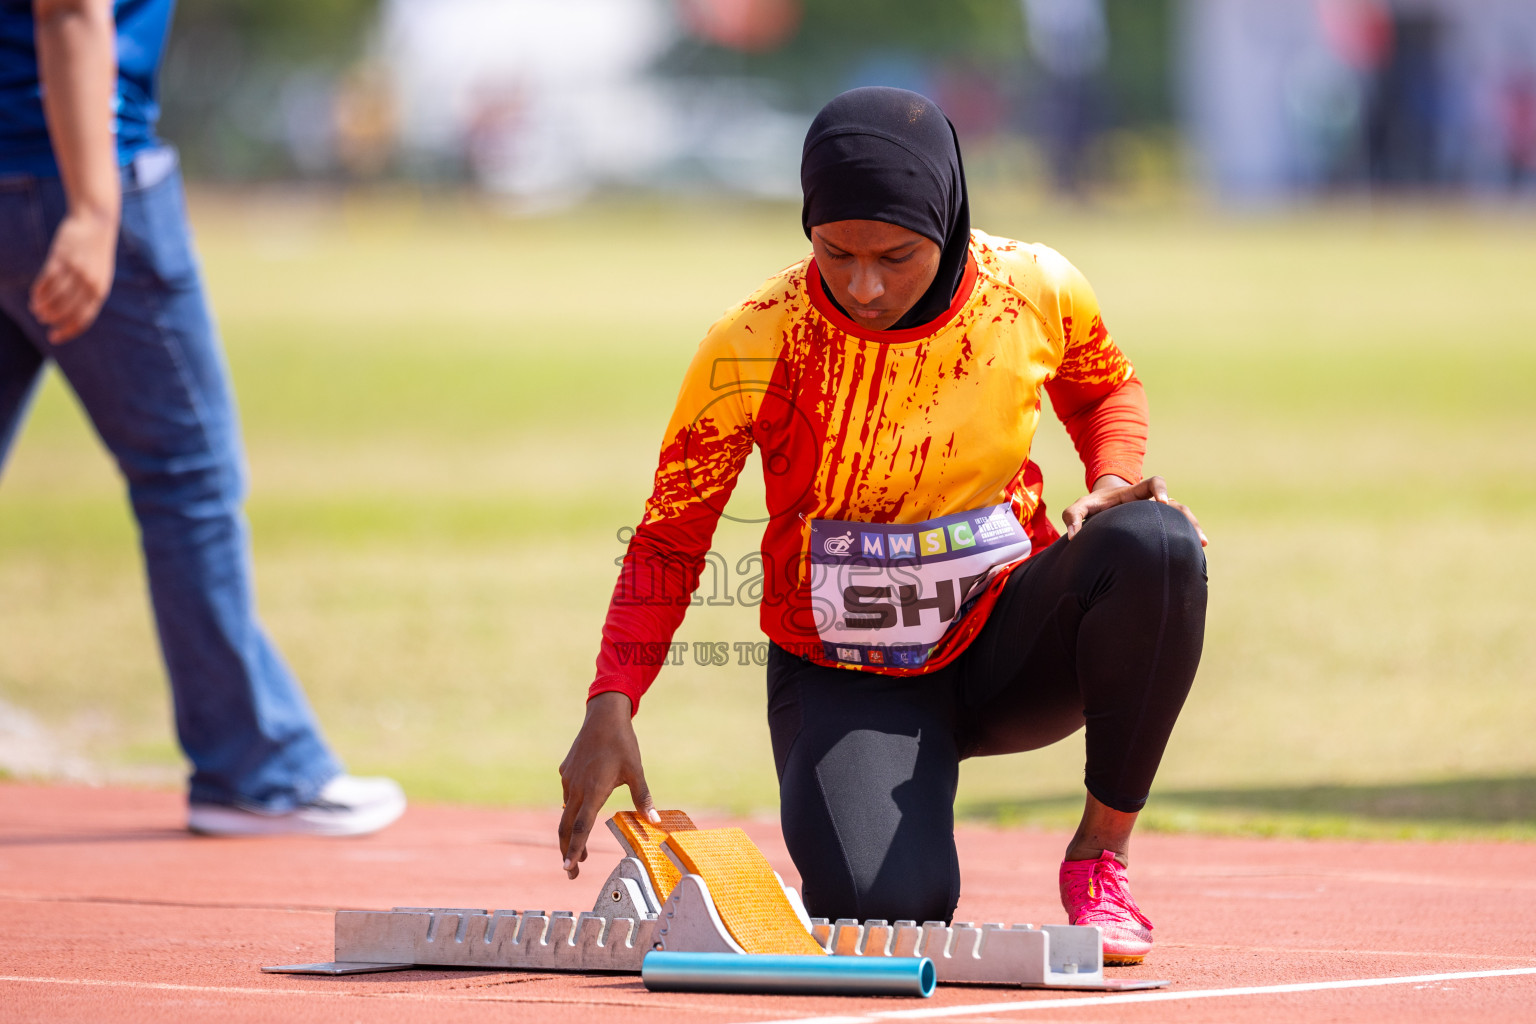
[{"x": 682, "y": 889}]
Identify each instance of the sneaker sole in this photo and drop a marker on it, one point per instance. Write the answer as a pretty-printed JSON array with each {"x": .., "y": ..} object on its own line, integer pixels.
[
  {"x": 213, "y": 820},
  {"x": 1123, "y": 960}
]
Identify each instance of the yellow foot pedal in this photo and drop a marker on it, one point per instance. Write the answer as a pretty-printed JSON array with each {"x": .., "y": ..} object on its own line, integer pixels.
[
  {"x": 748, "y": 897},
  {"x": 642, "y": 840}
]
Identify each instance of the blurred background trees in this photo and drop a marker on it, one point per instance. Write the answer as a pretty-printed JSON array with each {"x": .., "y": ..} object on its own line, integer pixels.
[
  {"x": 545, "y": 100},
  {"x": 276, "y": 88},
  {"x": 240, "y": 73}
]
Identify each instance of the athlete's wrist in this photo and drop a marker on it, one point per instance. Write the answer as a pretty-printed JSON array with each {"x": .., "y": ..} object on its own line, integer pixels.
[{"x": 610, "y": 704}]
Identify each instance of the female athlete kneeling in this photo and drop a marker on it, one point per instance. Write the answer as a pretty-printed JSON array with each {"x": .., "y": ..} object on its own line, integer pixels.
[{"x": 921, "y": 607}]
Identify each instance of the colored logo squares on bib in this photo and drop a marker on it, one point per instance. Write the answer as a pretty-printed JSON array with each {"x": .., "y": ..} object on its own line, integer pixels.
[
  {"x": 872, "y": 545},
  {"x": 960, "y": 536},
  {"x": 903, "y": 545},
  {"x": 931, "y": 542}
]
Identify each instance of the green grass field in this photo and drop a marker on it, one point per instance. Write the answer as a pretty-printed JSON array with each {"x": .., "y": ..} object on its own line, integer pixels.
[{"x": 451, "y": 414}]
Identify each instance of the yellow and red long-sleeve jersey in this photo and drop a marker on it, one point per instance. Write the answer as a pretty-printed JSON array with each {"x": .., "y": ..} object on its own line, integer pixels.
[{"x": 866, "y": 429}]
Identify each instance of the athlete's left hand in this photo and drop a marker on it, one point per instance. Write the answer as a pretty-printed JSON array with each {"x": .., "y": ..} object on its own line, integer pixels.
[{"x": 1109, "y": 491}]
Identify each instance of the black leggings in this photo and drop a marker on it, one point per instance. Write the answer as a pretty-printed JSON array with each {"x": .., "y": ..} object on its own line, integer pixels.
[{"x": 1104, "y": 629}]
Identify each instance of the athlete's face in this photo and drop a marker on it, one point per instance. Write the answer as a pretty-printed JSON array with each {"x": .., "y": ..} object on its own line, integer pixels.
[{"x": 876, "y": 271}]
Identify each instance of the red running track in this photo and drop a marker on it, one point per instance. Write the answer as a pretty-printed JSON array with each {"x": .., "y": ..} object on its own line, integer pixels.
[{"x": 110, "y": 911}]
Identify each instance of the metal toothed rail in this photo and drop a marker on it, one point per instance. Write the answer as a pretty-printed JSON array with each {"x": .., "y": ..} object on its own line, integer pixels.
[{"x": 627, "y": 922}]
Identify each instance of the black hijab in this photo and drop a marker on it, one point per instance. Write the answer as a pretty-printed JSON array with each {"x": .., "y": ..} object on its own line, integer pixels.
[{"x": 891, "y": 155}]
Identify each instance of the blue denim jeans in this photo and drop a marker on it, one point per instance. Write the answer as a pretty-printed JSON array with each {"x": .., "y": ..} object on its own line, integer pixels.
[{"x": 151, "y": 376}]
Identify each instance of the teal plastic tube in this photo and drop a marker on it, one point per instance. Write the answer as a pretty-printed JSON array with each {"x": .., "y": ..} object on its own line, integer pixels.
[{"x": 789, "y": 975}]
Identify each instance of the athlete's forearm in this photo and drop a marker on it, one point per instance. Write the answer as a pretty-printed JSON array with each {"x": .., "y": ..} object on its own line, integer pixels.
[
  {"x": 661, "y": 570},
  {"x": 1110, "y": 432},
  {"x": 77, "y": 65}
]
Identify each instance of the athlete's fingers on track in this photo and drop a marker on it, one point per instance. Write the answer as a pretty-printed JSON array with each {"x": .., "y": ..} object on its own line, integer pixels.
[
  {"x": 568, "y": 811},
  {"x": 565, "y": 783},
  {"x": 572, "y": 803},
  {"x": 575, "y": 826},
  {"x": 641, "y": 794}
]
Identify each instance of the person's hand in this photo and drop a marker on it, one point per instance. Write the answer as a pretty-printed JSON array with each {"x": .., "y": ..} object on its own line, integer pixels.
[
  {"x": 604, "y": 756},
  {"x": 1110, "y": 491},
  {"x": 76, "y": 276}
]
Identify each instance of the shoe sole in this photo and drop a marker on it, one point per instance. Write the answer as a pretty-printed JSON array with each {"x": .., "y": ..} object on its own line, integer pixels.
[
  {"x": 1124, "y": 959},
  {"x": 231, "y": 823}
]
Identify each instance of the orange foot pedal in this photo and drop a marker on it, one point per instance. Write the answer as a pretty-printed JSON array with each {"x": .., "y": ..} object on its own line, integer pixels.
[
  {"x": 744, "y": 893},
  {"x": 642, "y": 840}
]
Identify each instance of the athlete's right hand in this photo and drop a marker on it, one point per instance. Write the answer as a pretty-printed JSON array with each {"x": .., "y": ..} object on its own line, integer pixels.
[
  {"x": 1109, "y": 491},
  {"x": 604, "y": 756}
]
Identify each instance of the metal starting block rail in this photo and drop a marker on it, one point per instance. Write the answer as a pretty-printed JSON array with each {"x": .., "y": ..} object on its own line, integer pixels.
[{"x": 628, "y": 921}]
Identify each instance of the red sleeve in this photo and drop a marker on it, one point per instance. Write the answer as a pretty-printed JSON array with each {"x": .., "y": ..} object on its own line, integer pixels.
[
  {"x": 661, "y": 570},
  {"x": 1095, "y": 392},
  {"x": 1109, "y": 431},
  {"x": 706, "y": 445}
]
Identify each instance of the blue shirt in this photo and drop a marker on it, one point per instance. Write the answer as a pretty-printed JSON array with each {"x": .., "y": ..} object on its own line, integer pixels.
[{"x": 24, "y": 145}]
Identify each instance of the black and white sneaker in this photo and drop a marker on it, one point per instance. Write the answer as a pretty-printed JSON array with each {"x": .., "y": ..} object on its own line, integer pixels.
[{"x": 347, "y": 806}]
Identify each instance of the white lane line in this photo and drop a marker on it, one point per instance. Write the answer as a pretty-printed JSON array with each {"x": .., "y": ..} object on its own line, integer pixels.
[
  {"x": 874, "y": 1017},
  {"x": 455, "y": 996},
  {"x": 167, "y": 986},
  {"x": 123, "y": 901},
  {"x": 1162, "y": 995},
  {"x": 1335, "y": 951},
  {"x": 1394, "y": 878}
]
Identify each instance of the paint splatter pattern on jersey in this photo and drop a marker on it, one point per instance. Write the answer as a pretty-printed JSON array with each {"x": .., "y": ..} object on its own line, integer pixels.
[{"x": 872, "y": 427}]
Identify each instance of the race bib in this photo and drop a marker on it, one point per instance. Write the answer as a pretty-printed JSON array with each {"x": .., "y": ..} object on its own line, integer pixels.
[{"x": 885, "y": 594}]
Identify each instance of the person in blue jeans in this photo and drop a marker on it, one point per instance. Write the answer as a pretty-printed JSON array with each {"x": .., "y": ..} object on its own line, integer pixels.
[{"x": 98, "y": 275}]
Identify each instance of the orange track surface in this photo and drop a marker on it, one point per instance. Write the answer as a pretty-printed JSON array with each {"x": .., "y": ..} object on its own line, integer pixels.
[{"x": 109, "y": 911}]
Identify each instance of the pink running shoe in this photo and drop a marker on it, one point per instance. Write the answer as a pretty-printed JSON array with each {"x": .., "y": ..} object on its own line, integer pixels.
[{"x": 1096, "y": 892}]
